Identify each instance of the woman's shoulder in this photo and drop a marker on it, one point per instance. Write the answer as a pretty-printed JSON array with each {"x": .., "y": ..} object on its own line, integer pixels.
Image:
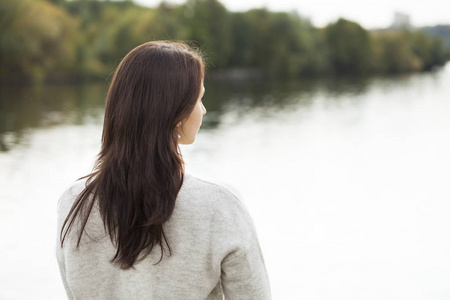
[
  {"x": 224, "y": 211},
  {"x": 213, "y": 191},
  {"x": 70, "y": 194},
  {"x": 221, "y": 200}
]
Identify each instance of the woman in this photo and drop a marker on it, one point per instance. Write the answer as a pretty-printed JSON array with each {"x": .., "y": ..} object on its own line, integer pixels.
[{"x": 137, "y": 227}]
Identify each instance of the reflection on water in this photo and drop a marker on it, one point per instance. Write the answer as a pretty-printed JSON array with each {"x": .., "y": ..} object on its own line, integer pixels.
[
  {"x": 27, "y": 107},
  {"x": 264, "y": 98},
  {"x": 23, "y": 108},
  {"x": 346, "y": 179}
]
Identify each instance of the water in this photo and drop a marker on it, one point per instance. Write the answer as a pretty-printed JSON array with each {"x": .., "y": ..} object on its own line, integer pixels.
[{"x": 347, "y": 180}]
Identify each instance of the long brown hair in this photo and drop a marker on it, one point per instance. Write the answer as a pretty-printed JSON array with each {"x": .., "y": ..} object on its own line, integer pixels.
[{"x": 140, "y": 170}]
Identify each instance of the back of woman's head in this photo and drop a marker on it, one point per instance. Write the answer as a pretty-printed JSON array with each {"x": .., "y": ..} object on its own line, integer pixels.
[
  {"x": 140, "y": 170},
  {"x": 154, "y": 88}
]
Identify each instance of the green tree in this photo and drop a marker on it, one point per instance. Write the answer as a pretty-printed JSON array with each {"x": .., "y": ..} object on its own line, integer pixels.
[
  {"x": 38, "y": 38},
  {"x": 241, "y": 54},
  {"x": 208, "y": 23},
  {"x": 57, "y": 2},
  {"x": 349, "y": 47},
  {"x": 393, "y": 54},
  {"x": 430, "y": 50}
]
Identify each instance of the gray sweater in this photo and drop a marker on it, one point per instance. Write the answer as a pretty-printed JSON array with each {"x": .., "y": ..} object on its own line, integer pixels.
[{"x": 215, "y": 253}]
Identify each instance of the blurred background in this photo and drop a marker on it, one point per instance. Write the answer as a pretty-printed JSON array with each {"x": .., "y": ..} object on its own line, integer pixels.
[{"x": 330, "y": 119}]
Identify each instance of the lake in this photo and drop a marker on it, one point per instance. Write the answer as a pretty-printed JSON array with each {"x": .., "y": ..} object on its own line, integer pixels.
[{"x": 347, "y": 180}]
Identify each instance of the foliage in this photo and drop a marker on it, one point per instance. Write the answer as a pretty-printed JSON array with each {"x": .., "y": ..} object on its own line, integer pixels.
[
  {"x": 208, "y": 23},
  {"x": 83, "y": 38},
  {"x": 392, "y": 54},
  {"x": 431, "y": 50},
  {"x": 404, "y": 51},
  {"x": 441, "y": 31},
  {"x": 279, "y": 42},
  {"x": 349, "y": 47},
  {"x": 37, "y": 38}
]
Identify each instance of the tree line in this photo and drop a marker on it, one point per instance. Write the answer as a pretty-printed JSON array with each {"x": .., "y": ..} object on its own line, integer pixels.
[{"x": 87, "y": 38}]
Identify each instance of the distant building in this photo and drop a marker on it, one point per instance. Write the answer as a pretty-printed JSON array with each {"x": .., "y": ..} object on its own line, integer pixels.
[{"x": 401, "y": 21}]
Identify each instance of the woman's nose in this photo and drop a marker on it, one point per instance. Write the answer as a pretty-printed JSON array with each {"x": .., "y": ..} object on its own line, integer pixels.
[{"x": 204, "y": 109}]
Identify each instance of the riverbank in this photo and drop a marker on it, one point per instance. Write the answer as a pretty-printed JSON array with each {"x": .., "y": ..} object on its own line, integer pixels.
[{"x": 231, "y": 74}]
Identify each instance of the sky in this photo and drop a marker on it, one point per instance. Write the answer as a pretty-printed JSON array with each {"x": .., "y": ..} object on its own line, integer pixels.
[{"x": 371, "y": 14}]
